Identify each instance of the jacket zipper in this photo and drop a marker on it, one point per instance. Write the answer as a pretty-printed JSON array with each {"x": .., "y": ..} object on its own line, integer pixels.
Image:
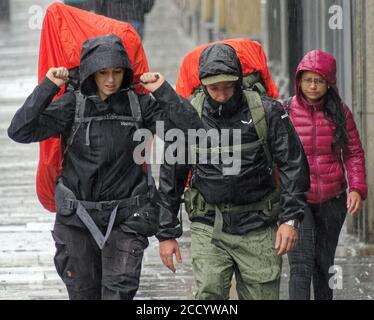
[
  {"x": 315, "y": 150},
  {"x": 227, "y": 178}
]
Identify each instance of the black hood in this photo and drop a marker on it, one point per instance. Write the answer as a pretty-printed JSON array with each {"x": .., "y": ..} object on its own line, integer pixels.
[
  {"x": 222, "y": 59},
  {"x": 219, "y": 59},
  {"x": 99, "y": 53}
]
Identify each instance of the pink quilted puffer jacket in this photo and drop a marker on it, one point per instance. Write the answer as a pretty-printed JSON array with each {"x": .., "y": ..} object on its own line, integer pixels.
[{"x": 328, "y": 170}]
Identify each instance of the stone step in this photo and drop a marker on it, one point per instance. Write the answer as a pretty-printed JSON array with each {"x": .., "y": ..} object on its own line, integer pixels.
[
  {"x": 28, "y": 275},
  {"x": 29, "y": 259},
  {"x": 21, "y": 220},
  {"x": 18, "y": 89},
  {"x": 38, "y": 291},
  {"x": 30, "y": 241}
]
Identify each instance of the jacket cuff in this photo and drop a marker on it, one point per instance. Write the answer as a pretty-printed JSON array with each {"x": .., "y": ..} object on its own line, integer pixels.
[
  {"x": 297, "y": 216},
  {"x": 360, "y": 192},
  {"x": 169, "y": 234},
  {"x": 50, "y": 86},
  {"x": 164, "y": 89}
]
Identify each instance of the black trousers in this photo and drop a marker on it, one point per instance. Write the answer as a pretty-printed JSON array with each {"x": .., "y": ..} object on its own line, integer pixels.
[
  {"x": 93, "y": 274},
  {"x": 315, "y": 251}
]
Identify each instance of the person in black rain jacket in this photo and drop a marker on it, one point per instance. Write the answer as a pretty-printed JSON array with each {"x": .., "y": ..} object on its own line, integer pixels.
[
  {"x": 106, "y": 204},
  {"x": 234, "y": 216}
]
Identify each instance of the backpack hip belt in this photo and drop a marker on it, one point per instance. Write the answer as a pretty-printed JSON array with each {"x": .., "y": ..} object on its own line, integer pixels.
[
  {"x": 196, "y": 206},
  {"x": 106, "y": 205},
  {"x": 67, "y": 204}
]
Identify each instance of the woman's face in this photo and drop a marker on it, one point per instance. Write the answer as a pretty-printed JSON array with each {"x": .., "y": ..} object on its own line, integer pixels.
[
  {"x": 313, "y": 86},
  {"x": 108, "y": 81}
]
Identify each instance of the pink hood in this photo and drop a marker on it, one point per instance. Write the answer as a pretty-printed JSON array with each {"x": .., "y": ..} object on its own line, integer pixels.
[{"x": 320, "y": 62}]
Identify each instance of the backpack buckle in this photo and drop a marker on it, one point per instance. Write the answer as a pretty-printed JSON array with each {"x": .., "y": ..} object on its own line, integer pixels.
[
  {"x": 137, "y": 201},
  {"x": 270, "y": 205},
  {"x": 70, "y": 204},
  {"x": 100, "y": 206},
  {"x": 200, "y": 203}
]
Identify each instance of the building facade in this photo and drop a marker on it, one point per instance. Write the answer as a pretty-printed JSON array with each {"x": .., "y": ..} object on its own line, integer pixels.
[{"x": 209, "y": 20}]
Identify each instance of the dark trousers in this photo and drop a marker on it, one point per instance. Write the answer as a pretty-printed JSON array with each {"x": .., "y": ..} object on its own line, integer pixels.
[
  {"x": 4, "y": 10},
  {"x": 315, "y": 252},
  {"x": 93, "y": 274}
]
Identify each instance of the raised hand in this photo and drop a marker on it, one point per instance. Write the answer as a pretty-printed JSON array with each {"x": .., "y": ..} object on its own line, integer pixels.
[
  {"x": 59, "y": 76},
  {"x": 152, "y": 81}
]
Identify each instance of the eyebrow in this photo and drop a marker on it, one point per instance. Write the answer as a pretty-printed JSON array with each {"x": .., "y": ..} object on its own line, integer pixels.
[
  {"x": 320, "y": 78},
  {"x": 108, "y": 69},
  {"x": 313, "y": 78}
]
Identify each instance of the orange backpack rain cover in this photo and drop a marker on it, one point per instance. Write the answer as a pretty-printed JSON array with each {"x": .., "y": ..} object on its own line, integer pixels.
[
  {"x": 251, "y": 56},
  {"x": 64, "y": 30}
]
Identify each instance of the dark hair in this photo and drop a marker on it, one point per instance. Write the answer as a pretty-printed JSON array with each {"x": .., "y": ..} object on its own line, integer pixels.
[{"x": 334, "y": 111}]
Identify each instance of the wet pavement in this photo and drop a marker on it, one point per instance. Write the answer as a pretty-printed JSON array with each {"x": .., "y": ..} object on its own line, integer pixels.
[{"x": 26, "y": 246}]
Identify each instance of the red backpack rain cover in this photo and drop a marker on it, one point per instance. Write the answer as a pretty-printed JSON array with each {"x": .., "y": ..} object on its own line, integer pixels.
[
  {"x": 64, "y": 30},
  {"x": 251, "y": 56}
]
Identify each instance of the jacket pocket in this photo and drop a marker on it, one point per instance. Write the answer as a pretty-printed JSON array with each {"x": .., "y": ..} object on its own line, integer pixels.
[
  {"x": 144, "y": 220},
  {"x": 61, "y": 259},
  {"x": 194, "y": 203},
  {"x": 134, "y": 246}
]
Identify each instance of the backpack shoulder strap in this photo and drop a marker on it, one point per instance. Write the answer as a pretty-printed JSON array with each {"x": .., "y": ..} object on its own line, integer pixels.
[
  {"x": 287, "y": 105},
  {"x": 197, "y": 101},
  {"x": 137, "y": 114},
  {"x": 136, "y": 111},
  {"x": 257, "y": 111},
  {"x": 80, "y": 105},
  {"x": 254, "y": 82}
]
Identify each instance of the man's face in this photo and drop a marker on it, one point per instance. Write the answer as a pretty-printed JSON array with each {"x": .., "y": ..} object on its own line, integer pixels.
[{"x": 221, "y": 91}]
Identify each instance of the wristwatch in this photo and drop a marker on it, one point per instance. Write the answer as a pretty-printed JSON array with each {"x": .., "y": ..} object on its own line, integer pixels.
[{"x": 293, "y": 223}]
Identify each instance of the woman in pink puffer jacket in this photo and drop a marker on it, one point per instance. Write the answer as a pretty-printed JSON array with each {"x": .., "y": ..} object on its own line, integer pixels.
[{"x": 332, "y": 144}]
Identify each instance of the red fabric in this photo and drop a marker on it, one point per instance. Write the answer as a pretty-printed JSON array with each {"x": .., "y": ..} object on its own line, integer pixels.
[
  {"x": 65, "y": 28},
  {"x": 327, "y": 169},
  {"x": 251, "y": 56}
]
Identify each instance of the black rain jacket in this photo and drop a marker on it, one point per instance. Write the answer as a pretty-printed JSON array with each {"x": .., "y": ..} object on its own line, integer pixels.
[
  {"x": 104, "y": 170},
  {"x": 253, "y": 182},
  {"x": 123, "y": 9}
]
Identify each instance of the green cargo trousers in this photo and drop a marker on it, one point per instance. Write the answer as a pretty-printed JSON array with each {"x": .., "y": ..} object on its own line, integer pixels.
[{"x": 252, "y": 257}]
